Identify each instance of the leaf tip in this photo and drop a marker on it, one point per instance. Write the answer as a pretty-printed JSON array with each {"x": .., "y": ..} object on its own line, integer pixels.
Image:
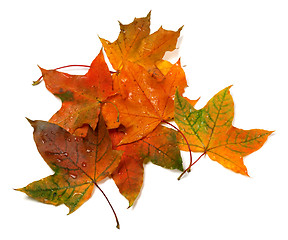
[
  {"x": 131, "y": 202},
  {"x": 104, "y": 42},
  {"x": 19, "y": 189},
  {"x": 101, "y": 54},
  {"x": 244, "y": 172},
  {"x": 271, "y": 132},
  {"x": 30, "y": 121},
  {"x": 71, "y": 210},
  {"x": 179, "y": 30},
  {"x": 177, "y": 91},
  {"x": 149, "y": 14},
  {"x": 39, "y": 80},
  {"x": 41, "y": 69},
  {"x": 227, "y": 89},
  {"x": 120, "y": 24},
  {"x": 178, "y": 63}
]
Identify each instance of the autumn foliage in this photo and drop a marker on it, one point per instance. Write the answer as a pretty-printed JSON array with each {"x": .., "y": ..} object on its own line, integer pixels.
[{"x": 114, "y": 121}]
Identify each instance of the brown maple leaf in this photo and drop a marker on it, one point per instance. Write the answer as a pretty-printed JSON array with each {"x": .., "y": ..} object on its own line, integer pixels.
[{"x": 79, "y": 164}]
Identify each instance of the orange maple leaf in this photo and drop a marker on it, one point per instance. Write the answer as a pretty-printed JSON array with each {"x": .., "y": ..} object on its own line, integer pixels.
[
  {"x": 143, "y": 103},
  {"x": 81, "y": 95},
  {"x": 136, "y": 44},
  {"x": 210, "y": 130}
]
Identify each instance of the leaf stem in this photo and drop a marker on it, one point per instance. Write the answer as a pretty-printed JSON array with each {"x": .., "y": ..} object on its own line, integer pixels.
[
  {"x": 117, "y": 221},
  {"x": 73, "y": 65},
  {"x": 191, "y": 164},
  {"x": 191, "y": 161}
]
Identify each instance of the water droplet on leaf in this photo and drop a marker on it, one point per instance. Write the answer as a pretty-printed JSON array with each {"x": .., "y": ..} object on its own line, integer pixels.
[{"x": 74, "y": 176}]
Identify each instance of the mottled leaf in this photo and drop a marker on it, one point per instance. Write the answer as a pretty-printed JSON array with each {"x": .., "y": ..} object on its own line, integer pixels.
[
  {"x": 81, "y": 95},
  {"x": 78, "y": 163},
  {"x": 136, "y": 44},
  {"x": 210, "y": 130},
  {"x": 159, "y": 147}
]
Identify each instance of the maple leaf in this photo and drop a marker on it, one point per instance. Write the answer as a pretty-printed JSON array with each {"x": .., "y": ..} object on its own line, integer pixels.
[
  {"x": 159, "y": 147},
  {"x": 210, "y": 130},
  {"x": 81, "y": 95},
  {"x": 79, "y": 164},
  {"x": 132, "y": 103},
  {"x": 136, "y": 44},
  {"x": 143, "y": 103}
]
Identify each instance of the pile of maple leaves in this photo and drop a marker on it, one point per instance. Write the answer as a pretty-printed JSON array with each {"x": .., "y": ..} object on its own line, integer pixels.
[{"x": 111, "y": 123}]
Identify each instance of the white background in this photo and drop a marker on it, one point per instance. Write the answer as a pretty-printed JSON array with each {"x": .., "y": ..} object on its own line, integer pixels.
[{"x": 243, "y": 43}]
